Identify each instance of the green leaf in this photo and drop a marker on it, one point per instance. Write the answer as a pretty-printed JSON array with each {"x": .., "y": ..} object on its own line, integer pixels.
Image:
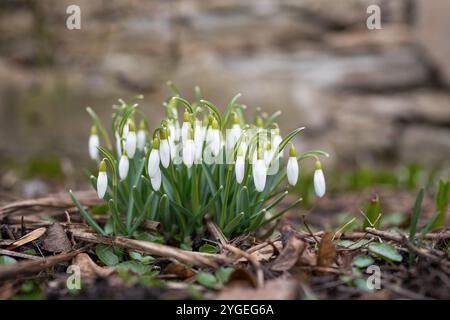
[
  {"x": 86, "y": 215},
  {"x": 223, "y": 274},
  {"x": 133, "y": 266},
  {"x": 415, "y": 215},
  {"x": 373, "y": 213},
  {"x": 207, "y": 279},
  {"x": 348, "y": 244},
  {"x": 5, "y": 260},
  {"x": 209, "y": 248},
  {"x": 106, "y": 254},
  {"x": 441, "y": 202},
  {"x": 385, "y": 251},
  {"x": 362, "y": 261}
]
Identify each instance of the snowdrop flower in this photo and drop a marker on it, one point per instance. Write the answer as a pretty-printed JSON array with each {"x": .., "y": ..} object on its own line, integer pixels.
[
  {"x": 118, "y": 144},
  {"x": 199, "y": 138},
  {"x": 102, "y": 180},
  {"x": 213, "y": 137},
  {"x": 292, "y": 167},
  {"x": 189, "y": 149},
  {"x": 164, "y": 148},
  {"x": 268, "y": 154},
  {"x": 319, "y": 180},
  {"x": 130, "y": 141},
  {"x": 186, "y": 126},
  {"x": 259, "y": 172},
  {"x": 156, "y": 180},
  {"x": 124, "y": 165},
  {"x": 276, "y": 138},
  {"x": 141, "y": 136},
  {"x": 94, "y": 142},
  {"x": 234, "y": 133},
  {"x": 239, "y": 166},
  {"x": 153, "y": 159}
]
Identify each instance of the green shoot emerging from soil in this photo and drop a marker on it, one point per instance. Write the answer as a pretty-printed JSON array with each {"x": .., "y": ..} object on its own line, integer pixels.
[{"x": 198, "y": 162}]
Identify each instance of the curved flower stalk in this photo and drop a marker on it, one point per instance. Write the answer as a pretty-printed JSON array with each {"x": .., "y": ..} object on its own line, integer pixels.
[{"x": 182, "y": 174}]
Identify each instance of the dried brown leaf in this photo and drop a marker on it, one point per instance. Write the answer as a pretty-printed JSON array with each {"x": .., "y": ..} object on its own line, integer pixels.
[
  {"x": 89, "y": 268},
  {"x": 33, "y": 235},
  {"x": 243, "y": 278},
  {"x": 55, "y": 240},
  {"x": 289, "y": 255},
  {"x": 180, "y": 270},
  {"x": 327, "y": 251}
]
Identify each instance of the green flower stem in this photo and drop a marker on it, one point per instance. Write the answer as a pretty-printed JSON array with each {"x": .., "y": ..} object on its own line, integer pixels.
[{"x": 227, "y": 191}]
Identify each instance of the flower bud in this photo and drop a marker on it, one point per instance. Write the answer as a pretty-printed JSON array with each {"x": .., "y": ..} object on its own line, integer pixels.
[
  {"x": 239, "y": 168},
  {"x": 319, "y": 180},
  {"x": 259, "y": 174},
  {"x": 153, "y": 159},
  {"x": 292, "y": 167},
  {"x": 141, "y": 136},
  {"x": 156, "y": 180},
  {"x": 130, "y": 142},
  {"x": 189, "y": 149},
  {"x": 94, "y": 142},
  {"x": 164, "y": 148},
  {"x": 102, "y": 180},
  {"x": 124, "y": 165}
]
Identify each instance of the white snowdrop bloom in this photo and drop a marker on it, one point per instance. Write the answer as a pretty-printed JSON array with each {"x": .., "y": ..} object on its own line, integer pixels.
[
  {"x": 153, "y": 159},
  {"x": 319, "y": 181},
  {"x": 259, "y": 174},
  {"x": 189, "y": 152},
  {"x": 94, "y": 142},
  {"x": 156, "y": 180},
  {"x": 292, "y": 167},
  {"x": 141, "y": 136},
  {"x": 130, "y": 141},
  {"x": 199, "y": 138},
  {"x": 268, "y": 154},
  {"x": 118, "y": 144},
  {"x": 177, "y": 131},
  {"x": 234, "y": 133},
  {"x": 124, "y": 165},
  {"x": 239, "y": 168},
  {"x": 164, "y": 149},
  {"x": 102, "y": 180},
  {"x": 213, "y": 136},
  {"x": 185, "y": 127},
  {"x": 276, "y": 139}
]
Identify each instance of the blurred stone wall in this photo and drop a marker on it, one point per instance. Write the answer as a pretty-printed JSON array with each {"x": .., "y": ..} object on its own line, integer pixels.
[{"x": 372, "y": 96}]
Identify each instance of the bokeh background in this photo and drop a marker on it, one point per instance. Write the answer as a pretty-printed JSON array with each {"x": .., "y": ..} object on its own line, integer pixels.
[{"x": 372, "y": 98}]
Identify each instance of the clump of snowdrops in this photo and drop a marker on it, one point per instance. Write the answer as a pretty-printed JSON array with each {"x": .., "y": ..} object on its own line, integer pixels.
[{"x": 198, "y": 161}]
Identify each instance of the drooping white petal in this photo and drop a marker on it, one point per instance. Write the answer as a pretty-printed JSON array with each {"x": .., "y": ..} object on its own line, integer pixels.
[
  {"x": 188, "y": 152},
  {"x": 124, "y": 165},
  {"x": 239, "y": 169},
  {"x": 130, "y": 144},
  {"x": 199, "y": 137},
  {"x": 94, "y": 142},
  {"x": 156, "y": 180},
  {"x": 276, "y": 140},
  {"x": 215, "y": 142},
  {"x": 233, "y": 136},
  {"x": 259, "y": 175},
  {"x": 164, "y": 152},
  {"x": 153, "y": 162},
  {"x": 184, "y": 131},
  {"x": 292, "y": 171},
  {"x": 319, "y": 183},
  {"x": 102, "y": 184},
  {"x": 141, "y": 137},
  {"x": 118, "y": 144},
  {"x": 268, "y": 155}
]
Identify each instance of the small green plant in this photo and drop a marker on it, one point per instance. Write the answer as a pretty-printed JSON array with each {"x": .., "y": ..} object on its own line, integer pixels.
[
  {"x": 213, "y": 163},
  {"x": 441, "y": 202}
]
